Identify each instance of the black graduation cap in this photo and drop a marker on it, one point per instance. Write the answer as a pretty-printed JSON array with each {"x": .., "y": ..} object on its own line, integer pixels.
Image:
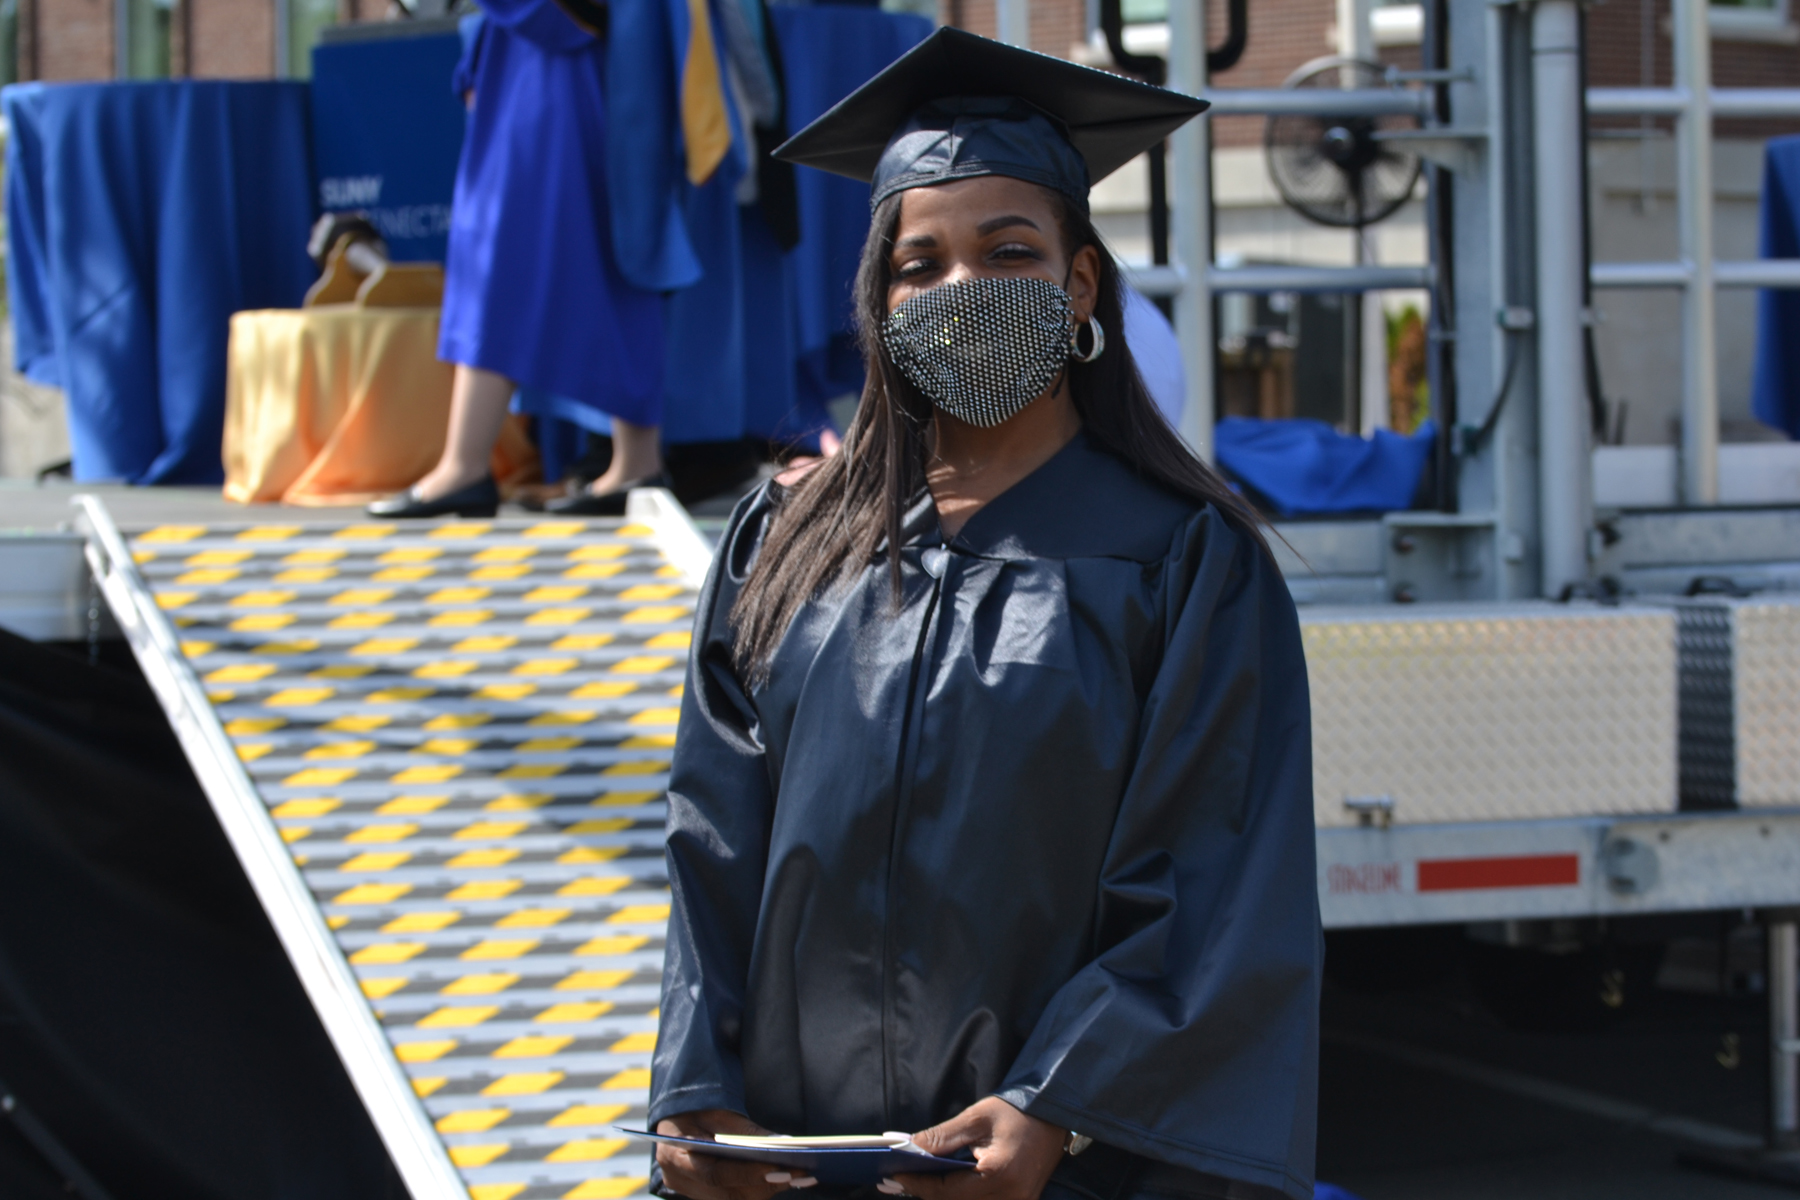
[{"x": 959, "y": 105}]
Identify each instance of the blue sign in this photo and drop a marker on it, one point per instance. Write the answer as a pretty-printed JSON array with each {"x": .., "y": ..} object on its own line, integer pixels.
[{"x": 387, "y": 131}]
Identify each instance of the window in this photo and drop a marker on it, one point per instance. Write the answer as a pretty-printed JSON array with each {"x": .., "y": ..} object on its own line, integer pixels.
[
  {"x": 305, "y": 18},
  {"x": 145, "y": 52},
  {"x": 9, "y": 42}
]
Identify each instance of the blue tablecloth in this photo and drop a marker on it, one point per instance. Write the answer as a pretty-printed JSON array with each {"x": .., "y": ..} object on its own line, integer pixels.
[
  {"x": 140, "y": 216},
  {"x": 1306, "y": 467},
  {"x": 1775, "y": 392}
]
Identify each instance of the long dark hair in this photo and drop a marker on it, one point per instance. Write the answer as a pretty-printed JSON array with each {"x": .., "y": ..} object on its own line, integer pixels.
[{"x": 838, "y": 514}]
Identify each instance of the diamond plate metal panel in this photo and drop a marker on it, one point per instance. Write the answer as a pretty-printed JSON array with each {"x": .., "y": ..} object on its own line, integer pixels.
[
  {"x": 1508, "y": 712},
  {"x": 1766, "y": 651}
]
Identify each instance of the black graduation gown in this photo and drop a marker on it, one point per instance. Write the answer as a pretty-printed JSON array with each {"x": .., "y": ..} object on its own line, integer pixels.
[{"x": 1044, "y": 832}]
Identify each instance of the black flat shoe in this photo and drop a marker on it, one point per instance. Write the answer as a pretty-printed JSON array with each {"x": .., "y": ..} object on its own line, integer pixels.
[
  {"x": 607, "y": 504},
  {"x": 479, "y": 499}
]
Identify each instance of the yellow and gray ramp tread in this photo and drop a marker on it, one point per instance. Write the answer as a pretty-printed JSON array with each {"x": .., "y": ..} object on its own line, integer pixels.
[{"x": 461, "y": 731}]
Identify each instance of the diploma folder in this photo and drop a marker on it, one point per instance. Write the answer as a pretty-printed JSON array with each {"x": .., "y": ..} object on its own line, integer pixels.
[{"x": 839, "y": 1165}]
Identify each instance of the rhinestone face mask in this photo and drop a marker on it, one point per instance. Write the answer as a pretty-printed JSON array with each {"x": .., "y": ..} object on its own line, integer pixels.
[{"x": 982, "y": 349}]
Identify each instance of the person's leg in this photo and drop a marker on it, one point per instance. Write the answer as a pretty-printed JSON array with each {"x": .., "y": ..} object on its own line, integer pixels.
[
  {"x": 637, "y": 454},
  {"x": 478, "y": 401}
]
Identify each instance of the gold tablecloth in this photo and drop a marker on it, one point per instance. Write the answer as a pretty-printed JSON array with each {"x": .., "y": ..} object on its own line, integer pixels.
[{"x": 340, "y": 404}]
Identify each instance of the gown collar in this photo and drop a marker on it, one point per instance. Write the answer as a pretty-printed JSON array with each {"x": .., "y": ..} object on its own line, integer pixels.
[{"x": 1082, "y": 502}]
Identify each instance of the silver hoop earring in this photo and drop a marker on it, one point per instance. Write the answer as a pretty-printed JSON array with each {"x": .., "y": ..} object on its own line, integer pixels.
[{"x": 1099, "y": 346}]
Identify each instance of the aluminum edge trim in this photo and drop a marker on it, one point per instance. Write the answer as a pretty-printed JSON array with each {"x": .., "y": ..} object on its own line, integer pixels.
[
  {"x": 398, "y": 1114},
  {"x": 682, "y": 543}
]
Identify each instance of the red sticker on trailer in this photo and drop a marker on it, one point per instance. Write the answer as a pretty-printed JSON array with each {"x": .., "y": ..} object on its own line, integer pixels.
[
  {"x": 1526, "y": 870},
  {"x": 1363, "y": 879}
]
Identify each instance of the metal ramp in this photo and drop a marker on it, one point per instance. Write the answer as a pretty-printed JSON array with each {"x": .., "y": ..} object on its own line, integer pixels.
[{"x": 440, "y": 751}]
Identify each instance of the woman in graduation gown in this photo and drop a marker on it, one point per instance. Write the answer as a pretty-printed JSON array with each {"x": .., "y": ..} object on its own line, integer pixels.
[
  {"x": 535, "y": 294},
  {"x": 991, "y": 810}
]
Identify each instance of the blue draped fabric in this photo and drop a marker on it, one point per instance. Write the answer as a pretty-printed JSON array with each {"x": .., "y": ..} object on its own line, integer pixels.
[
  {"x": 644, "y": 143},
  {"x": 140, "y": 216},
  {"x": 560, "y": 427},
  {"x": 705, "y": 381},
  {"x": 765, "y": 339},
  {"x": 1775, "y": 391},
  {"x": 828, "y": 52},
  {"x": 1304, "y": 467}
]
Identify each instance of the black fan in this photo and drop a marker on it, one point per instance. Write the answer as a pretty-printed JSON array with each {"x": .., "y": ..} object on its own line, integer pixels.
[{"x": 1339, "y": 170}]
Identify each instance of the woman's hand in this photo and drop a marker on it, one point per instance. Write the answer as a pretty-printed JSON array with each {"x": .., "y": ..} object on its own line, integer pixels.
[
  {"x": 1014, "y": 1155},
  {"x": 706, "y": 1177}
]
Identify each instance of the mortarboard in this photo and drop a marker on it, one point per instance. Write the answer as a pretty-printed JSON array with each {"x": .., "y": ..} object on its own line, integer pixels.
[{"x": 958, "y": 105}]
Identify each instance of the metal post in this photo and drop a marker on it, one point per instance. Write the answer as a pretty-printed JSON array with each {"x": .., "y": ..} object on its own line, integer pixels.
[
  {"x": 1354, "y": 37},
  {"x": 1365, "y": 354},
  {"x": 1372, "y": 362},
  {"x": 1500, "y": 295},
  {"x": 1783, "y": 981},
  {"x": 1191, "y": 182},
  {"x": 121, "y": 39},
  {"x": 1565, "y": 489},
  {"x": 1694, "y": 202},
  {"x": 284, "y": 31},
  {"x": 1012, "y": 20}
]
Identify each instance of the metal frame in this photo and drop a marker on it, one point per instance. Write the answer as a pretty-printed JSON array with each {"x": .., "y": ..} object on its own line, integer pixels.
[
  {"x": 1559, "y": 144},
  {"x": 284, "y": 32},
  {"x": 682, "y": 543},
  {"x": 396, "y": 1111},
  {"x": 1190, "y": 177},
  {"x": 1544, "y": 869},
  {"x": 1692, "y": 100},
  {"x": 1012, "y": 22},
  {"x": 121, "y": 39},
  {"x": 45, "y": 594},
  {"x": 1190, "y": 180}
]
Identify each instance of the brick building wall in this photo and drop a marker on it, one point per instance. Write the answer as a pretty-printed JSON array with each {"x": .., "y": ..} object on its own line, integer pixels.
[
  {"x": 74, "y": 39},
  {"x": 1284, "y": 35},
  {"x": 231, "y": 39},
  {"x": 1057, "y": 26}
]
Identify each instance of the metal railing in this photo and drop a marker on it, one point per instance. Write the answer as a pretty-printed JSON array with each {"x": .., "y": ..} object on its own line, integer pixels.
[
  {"x": 1268, "y": 277},
  {"x": 1697, "y": 273},
  {"x": 1190, "y": 175},
  {"x": 1692, "y": 100}
]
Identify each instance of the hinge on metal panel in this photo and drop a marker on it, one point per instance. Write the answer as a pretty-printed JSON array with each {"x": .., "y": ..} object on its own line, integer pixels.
[
  {"x": 1631, "y": 866},
  {"x": 1371, "y": 811}
]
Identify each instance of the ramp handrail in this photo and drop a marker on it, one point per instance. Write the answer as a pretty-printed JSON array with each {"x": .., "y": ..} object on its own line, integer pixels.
[{"x": 682, "y": 543}]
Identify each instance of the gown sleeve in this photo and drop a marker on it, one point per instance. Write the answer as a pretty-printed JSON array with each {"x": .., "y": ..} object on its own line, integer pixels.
[
  {"x": 1191, "y": 1036},
  {"x": 721, "y": 803}
]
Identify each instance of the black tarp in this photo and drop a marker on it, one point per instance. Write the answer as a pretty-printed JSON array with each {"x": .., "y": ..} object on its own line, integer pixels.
[{"x": 148, "y": 1017}]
